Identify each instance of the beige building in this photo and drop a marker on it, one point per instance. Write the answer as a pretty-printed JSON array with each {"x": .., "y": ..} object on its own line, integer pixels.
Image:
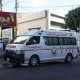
[{"x": 44, "y": 19}]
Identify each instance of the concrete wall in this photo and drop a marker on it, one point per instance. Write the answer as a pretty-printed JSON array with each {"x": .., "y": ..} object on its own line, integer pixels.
[
  {"x": 31, "y": 20},
  {"x": 32, "y": 24},
  {"x": 22, "y": 17}
]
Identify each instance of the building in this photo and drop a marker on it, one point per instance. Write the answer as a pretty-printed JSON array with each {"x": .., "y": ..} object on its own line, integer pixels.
[{"x": 44, "y": 19}]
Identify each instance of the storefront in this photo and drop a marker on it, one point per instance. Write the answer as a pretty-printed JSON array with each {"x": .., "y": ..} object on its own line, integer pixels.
[{"x": 8, "y": 26}]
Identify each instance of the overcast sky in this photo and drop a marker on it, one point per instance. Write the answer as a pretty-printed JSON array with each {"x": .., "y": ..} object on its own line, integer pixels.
[{"x": 60, "y": 6}]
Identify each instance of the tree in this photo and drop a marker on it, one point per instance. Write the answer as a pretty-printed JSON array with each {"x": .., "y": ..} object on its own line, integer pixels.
[{"x": 72, "y": 19}]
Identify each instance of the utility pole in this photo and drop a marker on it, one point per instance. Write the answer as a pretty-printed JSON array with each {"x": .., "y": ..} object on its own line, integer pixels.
[
  {"x": 16, "y": 7},
  {"x": 15, "y": 28},
  {"x": 79, "y": 26},
  {"x": 1, "y": 11},
  {"x": 1, "y": 5}
]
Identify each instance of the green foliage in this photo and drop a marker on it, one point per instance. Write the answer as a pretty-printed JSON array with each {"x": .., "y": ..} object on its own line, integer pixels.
[{"x": 72, "y": 19}]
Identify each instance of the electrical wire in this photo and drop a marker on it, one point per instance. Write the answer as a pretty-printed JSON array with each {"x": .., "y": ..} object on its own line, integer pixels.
[{"x": 29, "y": 7}]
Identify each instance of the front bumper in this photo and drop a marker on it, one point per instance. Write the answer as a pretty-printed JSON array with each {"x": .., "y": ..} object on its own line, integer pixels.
[{"x": 14, "y": 58}]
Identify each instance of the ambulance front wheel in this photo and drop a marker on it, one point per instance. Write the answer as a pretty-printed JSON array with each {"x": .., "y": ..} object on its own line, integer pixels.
[{"x": 34, "y": 60}]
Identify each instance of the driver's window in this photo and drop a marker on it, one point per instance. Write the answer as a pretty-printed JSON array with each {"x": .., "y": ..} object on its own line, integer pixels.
[{"x": 34, "y": 40}]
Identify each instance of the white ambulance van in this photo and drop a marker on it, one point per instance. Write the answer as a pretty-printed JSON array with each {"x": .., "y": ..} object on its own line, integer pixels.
[{"x": 39, "y": 46}]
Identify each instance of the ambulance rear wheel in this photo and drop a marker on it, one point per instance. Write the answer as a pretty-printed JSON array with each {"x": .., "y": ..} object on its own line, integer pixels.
[
  {"x": 33, "y": 61},
  {"x": 68, "y": 58}
]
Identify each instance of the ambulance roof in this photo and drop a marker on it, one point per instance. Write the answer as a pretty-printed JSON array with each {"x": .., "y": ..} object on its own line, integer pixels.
[
  {"x": 44, "y": 32},
  {"x": 31, "y": 32}
]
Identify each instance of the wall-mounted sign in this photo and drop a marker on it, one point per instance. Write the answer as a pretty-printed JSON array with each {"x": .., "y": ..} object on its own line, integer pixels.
[{"x": 7, "y": 19}]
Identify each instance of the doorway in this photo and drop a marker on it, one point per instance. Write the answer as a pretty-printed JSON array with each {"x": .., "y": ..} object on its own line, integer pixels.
[{"x": 7, "y": 34}]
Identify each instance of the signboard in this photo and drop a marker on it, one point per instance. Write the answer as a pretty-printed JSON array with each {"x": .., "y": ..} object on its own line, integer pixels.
[{"x": 7, "y": 19}]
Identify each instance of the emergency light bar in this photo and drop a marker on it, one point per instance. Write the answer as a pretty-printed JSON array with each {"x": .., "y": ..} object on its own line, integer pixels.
[{"x": 35, "y": 28}]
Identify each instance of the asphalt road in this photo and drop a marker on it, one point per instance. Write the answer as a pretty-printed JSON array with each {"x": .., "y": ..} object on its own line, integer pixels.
[{"x": 48, "y": 71}]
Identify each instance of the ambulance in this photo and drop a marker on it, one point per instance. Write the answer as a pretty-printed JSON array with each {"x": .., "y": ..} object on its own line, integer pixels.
[{"x": 49, "y": 46}]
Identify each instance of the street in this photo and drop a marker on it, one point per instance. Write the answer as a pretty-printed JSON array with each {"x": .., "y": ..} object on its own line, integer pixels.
[{"x": 47, "y": 71}]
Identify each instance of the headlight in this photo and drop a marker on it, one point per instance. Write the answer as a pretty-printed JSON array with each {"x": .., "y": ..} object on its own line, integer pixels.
[{"x": 19, "y": 51}]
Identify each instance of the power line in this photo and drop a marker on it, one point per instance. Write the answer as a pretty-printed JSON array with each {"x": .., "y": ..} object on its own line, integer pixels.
[
  {"x": 50, "y": 6},
  {"x": 6, "y": 3},
  {"x": 29, "y": 7}
]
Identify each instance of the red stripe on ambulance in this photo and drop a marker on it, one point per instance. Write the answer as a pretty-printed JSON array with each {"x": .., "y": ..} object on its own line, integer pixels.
[{"x": 11, "y": 46}]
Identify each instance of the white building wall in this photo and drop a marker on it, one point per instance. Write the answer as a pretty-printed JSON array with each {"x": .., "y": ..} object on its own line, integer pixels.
[
  {"x": 31, "y": 20},
  {"x": 22, "y": 17},
  {"x": 32, "y": 24},
  {"x": 57, "y": 18}
]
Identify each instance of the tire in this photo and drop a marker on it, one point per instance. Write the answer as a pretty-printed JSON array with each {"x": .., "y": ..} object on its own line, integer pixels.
[
  {"x": 68, "y": 58},
  {"x": 34, "y": 61}
]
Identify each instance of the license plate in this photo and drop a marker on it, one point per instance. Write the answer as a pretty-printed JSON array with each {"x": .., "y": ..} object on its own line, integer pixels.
[{"x": 8, "y": 59}]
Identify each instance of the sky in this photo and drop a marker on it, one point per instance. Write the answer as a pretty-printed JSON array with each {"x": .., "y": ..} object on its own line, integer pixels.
[{"x": 59, "y": 6}]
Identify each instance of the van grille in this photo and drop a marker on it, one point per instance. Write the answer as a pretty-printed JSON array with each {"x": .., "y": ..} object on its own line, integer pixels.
[{"x": 10, "y": 52}]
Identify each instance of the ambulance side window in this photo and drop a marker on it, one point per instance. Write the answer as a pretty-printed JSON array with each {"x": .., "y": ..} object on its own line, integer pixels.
[
  {"x": 73, "y": 41},
  {"x": 51, "y": 40},
  {"x": 46, "y": 40},
  {"x": 34, "y": 40},
  {"x": 61, "y": 41}
]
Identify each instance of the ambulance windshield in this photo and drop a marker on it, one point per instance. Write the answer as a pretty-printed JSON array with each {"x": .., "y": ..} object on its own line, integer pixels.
[{"x": 19, "y": 39}]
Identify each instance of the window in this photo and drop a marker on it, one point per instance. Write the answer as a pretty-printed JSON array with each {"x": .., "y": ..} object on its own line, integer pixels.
[
  {"x": 51, "y": 40},
  {"x": 46, "y": 40},
  {"x": 68, "y": 41},
  {"x": 19, "y": 39},
  {"x": 61, "y": 41},
  {"x": 34, "y": 40},
  {"x": 73, "y": 41},
  {"x": 55, "y": 40},
  {"x": 65, "y": 41}
]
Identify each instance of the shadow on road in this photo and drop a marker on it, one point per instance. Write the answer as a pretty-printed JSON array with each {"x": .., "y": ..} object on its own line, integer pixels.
[
  {"x": 48, "y": 64},
  {"x": 5, "y": 65}
]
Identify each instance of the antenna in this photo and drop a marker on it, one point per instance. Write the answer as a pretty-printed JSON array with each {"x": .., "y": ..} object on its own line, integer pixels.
[{"x": 35, "y": 28}]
